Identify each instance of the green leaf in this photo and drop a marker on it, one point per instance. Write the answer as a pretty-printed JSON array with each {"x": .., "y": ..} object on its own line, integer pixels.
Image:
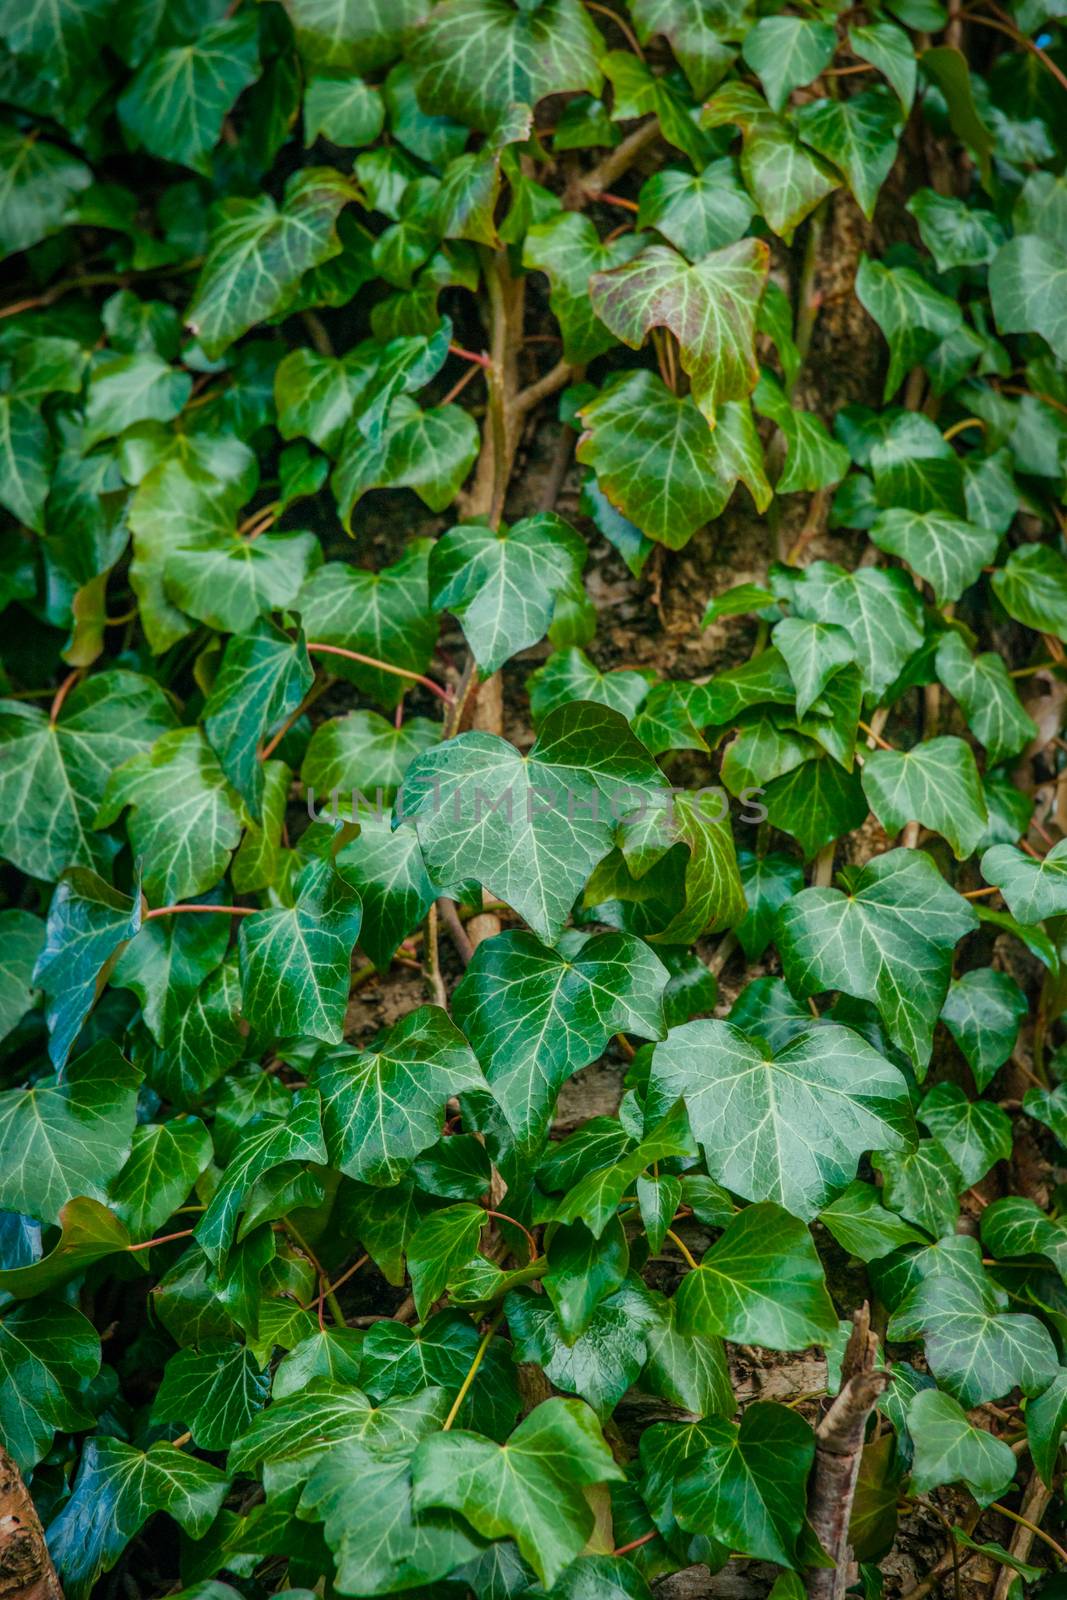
[
  {"x": 115, "y": 1492},
  {"x": 365, "y": 753},
  {"x": 700, "y": 33},
  {"x": 534, "y": 1016},
  {"x": 789, "y": 1125},
  {"x": 230, "y": 584},
  {"x": 528, "y": 828},
  {"x": 816, "y": 803},
  {"x": 787, "y": 52},
  {"x": 127, "y": 389},
  {"x": 267, "y": 1143},
  {"x": 430, "y": 452},
  {"x": 983, "y": 1011},
  {"x": 813, "y": 459},
  {"x": 695, "y": 212},
  {"x": 397, "y": 1360},
  {"x": 364, "y": 38},
  {"x": 530, "y": 1490},
  {"x": 660, "y": 465},
  {"x": 769, "y": 882},
  {"x": 21, "y": 938},
  {"x": 1032, "y": 588},
  {"x": 813, "y": 652},
  {"x": 858, "y": 136},
  {"x": 104, "y": 721},
  {"x": 746, "y": 1490},
  {"x": 39, "y": 182},
  {"x": 48, "y": 1353},
  {"x": 570, "y": 675},
  {"x": 861, "y": 1224},
  {"x": 567, "y": 248},
  {"x": 386, "y": 867},
  {"x": 503, "y": 585},
  {"x": 184, "y": 820},
  {"x": 880, "y": 610},
  {"x": 638, "y": 91},
  {"x": 948, "y": 68},
  {"x": 987, "y": 694},
  {"x": 176, "y": 104},
  {"x": 785, "y": 180},
  {"x": 295, "y": 959},
  {"x": 384, "y": 614},
  {"x": 263, "y": 678},
  {"x": 710, "y": 308},
  {"x": 88, "y": 1232},
  {"x": 913, "y": 317},
  {"x": 258, "y": 252},
  {"x": 345, "y": 110},
  {"x": 975, "y": 1133},
  {"x": 946, "y": 551},
  {"x": 88, "y": 923},
  {"x": 165, "y": 1160},
  {"x": 760, "y": 1283},
  {"x": 1032, "y": 890},
  {"x": 215, "y": 1390},
  {"x": 936, "y": 784},
  {"x": 956, "y": 234},
  {"x": 475, "y": 58},
  {"x": 976, "y": 1352},
  {"x": 714, "y": 896},
  {"x": 888, "y": 48},
  {"x": 1046, "y": 1417},
  {"x": 951, "y": 1449},
  {"x": 600, "y": 1363},
  {"x": 888, "y": 939},
  {"x": 383, "y": 1106}
]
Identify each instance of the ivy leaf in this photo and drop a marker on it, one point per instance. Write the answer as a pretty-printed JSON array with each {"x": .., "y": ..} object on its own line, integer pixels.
[
  {"x": 936, "y": 784},
  {"x": 913, "y": 317},
  {"x": 863, "y": 1226},
  {"x": 880, "y": 610},
  {"x": 330, "y": 33},
  {"x": 888, "y": 48},
  {"x": 816, "y": 803},
  {"x": 397, "y": 1360},
  {"x": 267, "y": 1143},
  {"x": 760, "y": 1283},
  {"x": 948, "y": 552},
  {"x": 386, "y": 867},
  {"x": 700, "y": 33},
  {"x": 600, "y": 1363},
  {"x": 638, "y": 91},
  {"x": 176, "y": 104},
  {"x": 1046, "y": 1415},
  {"x": 695, "y": 212},
  {"x": 1026, "y": 283},
  {"x": 263, "y": 678},
  {"x": 956, "y": 234},
  {"x": 1032, "y": 588},
  {"x": 364, "y": 1498},
  {"x": 786, "y": 52},
  {"x": 115, "y": 1492},
  {"x": 951, "y": 1449},
  {"x": 88, "y": 923},
  {"x": 785, "y": 180},
  {"x": 987, "y": 694},
  {"x": 104, "y": 721},
  {"x": 503, "y": 585},
  {"x": 230, "y": 584},
  {"x": 258, "y": 252},
  {"x": 165, "y": 1160},
  {"x": 385, "y": 614},
  {"x": 530, "y": 1490},
  {"x": 888, "y": 939},
  {"x": 976, "y": 1352},
  {"x": 710, "y": 308},
  {"x": 39, "y": 183},
  {"x": 385, "y": 1105},
  {"x": 430, "y": 452},
  {"x": 660, "y": 465},
  {"x": 215, "y": 1390},
  {"x": 475, "y": 58},
  {"x": 975, "y": 1133},
  {"x": 21, "y": 938},
  {"x": 570, "y": 675},
  {"x": 567, "y": 248},
  {"x": 858, "y": 136},
  {"x": 983, "y": 1011},
  {"x": 345, "y": 110},
  {"x": 364, "y": 753},
  {"x": 184, "y": 819},
  {"x": 48, "y": 1354},
  {"x": 528, "y": 828},
  {"x": 769, "y": 881},
  {"x": 295, "y": 959},
  {"x": 534, "y": 1015},
  {"x": 1032, "y": 890},
  {"x": 127, "y": 389},
  {"x": 813, "y": 652},
  {"x": 746, "y": 1490},
  {"x": 789, "y": 1125},
  {"x": 88, "y": 1232},
  {"x": 813, "y": 459}
]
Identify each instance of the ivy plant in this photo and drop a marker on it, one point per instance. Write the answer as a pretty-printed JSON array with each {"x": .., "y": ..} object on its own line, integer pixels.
[{"x": 533, "y": 910}]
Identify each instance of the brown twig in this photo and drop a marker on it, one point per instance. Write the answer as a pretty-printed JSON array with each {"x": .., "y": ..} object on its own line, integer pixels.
[
  {"x": 26, "y": 1566},
  {"x": 457, "y": 932},
  {"x": 382, "y": 666}
]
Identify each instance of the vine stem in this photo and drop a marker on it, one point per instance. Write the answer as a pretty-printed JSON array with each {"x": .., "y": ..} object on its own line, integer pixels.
[
  {"x": 531, "y": 1242},
  {"x": 684, "y": 1248},
  {"x": 62, "y": 692},
  {"x": 1038, "y": 1533},
  {"x": 164, "y": 1238},
  {"x": 383, "y": 666},
  {"x": 635, "y": 1544},
  {"x": 327, "y": 1291},
  {"x": 313, "y": 694},
  {"x": 472, "y": 1371},
  {"x": 218, "y": 911},
  {"x": 872, "y": 733}
]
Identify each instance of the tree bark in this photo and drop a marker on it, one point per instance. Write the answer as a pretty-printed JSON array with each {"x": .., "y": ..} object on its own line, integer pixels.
[{"x": 26, "y": 1570}]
